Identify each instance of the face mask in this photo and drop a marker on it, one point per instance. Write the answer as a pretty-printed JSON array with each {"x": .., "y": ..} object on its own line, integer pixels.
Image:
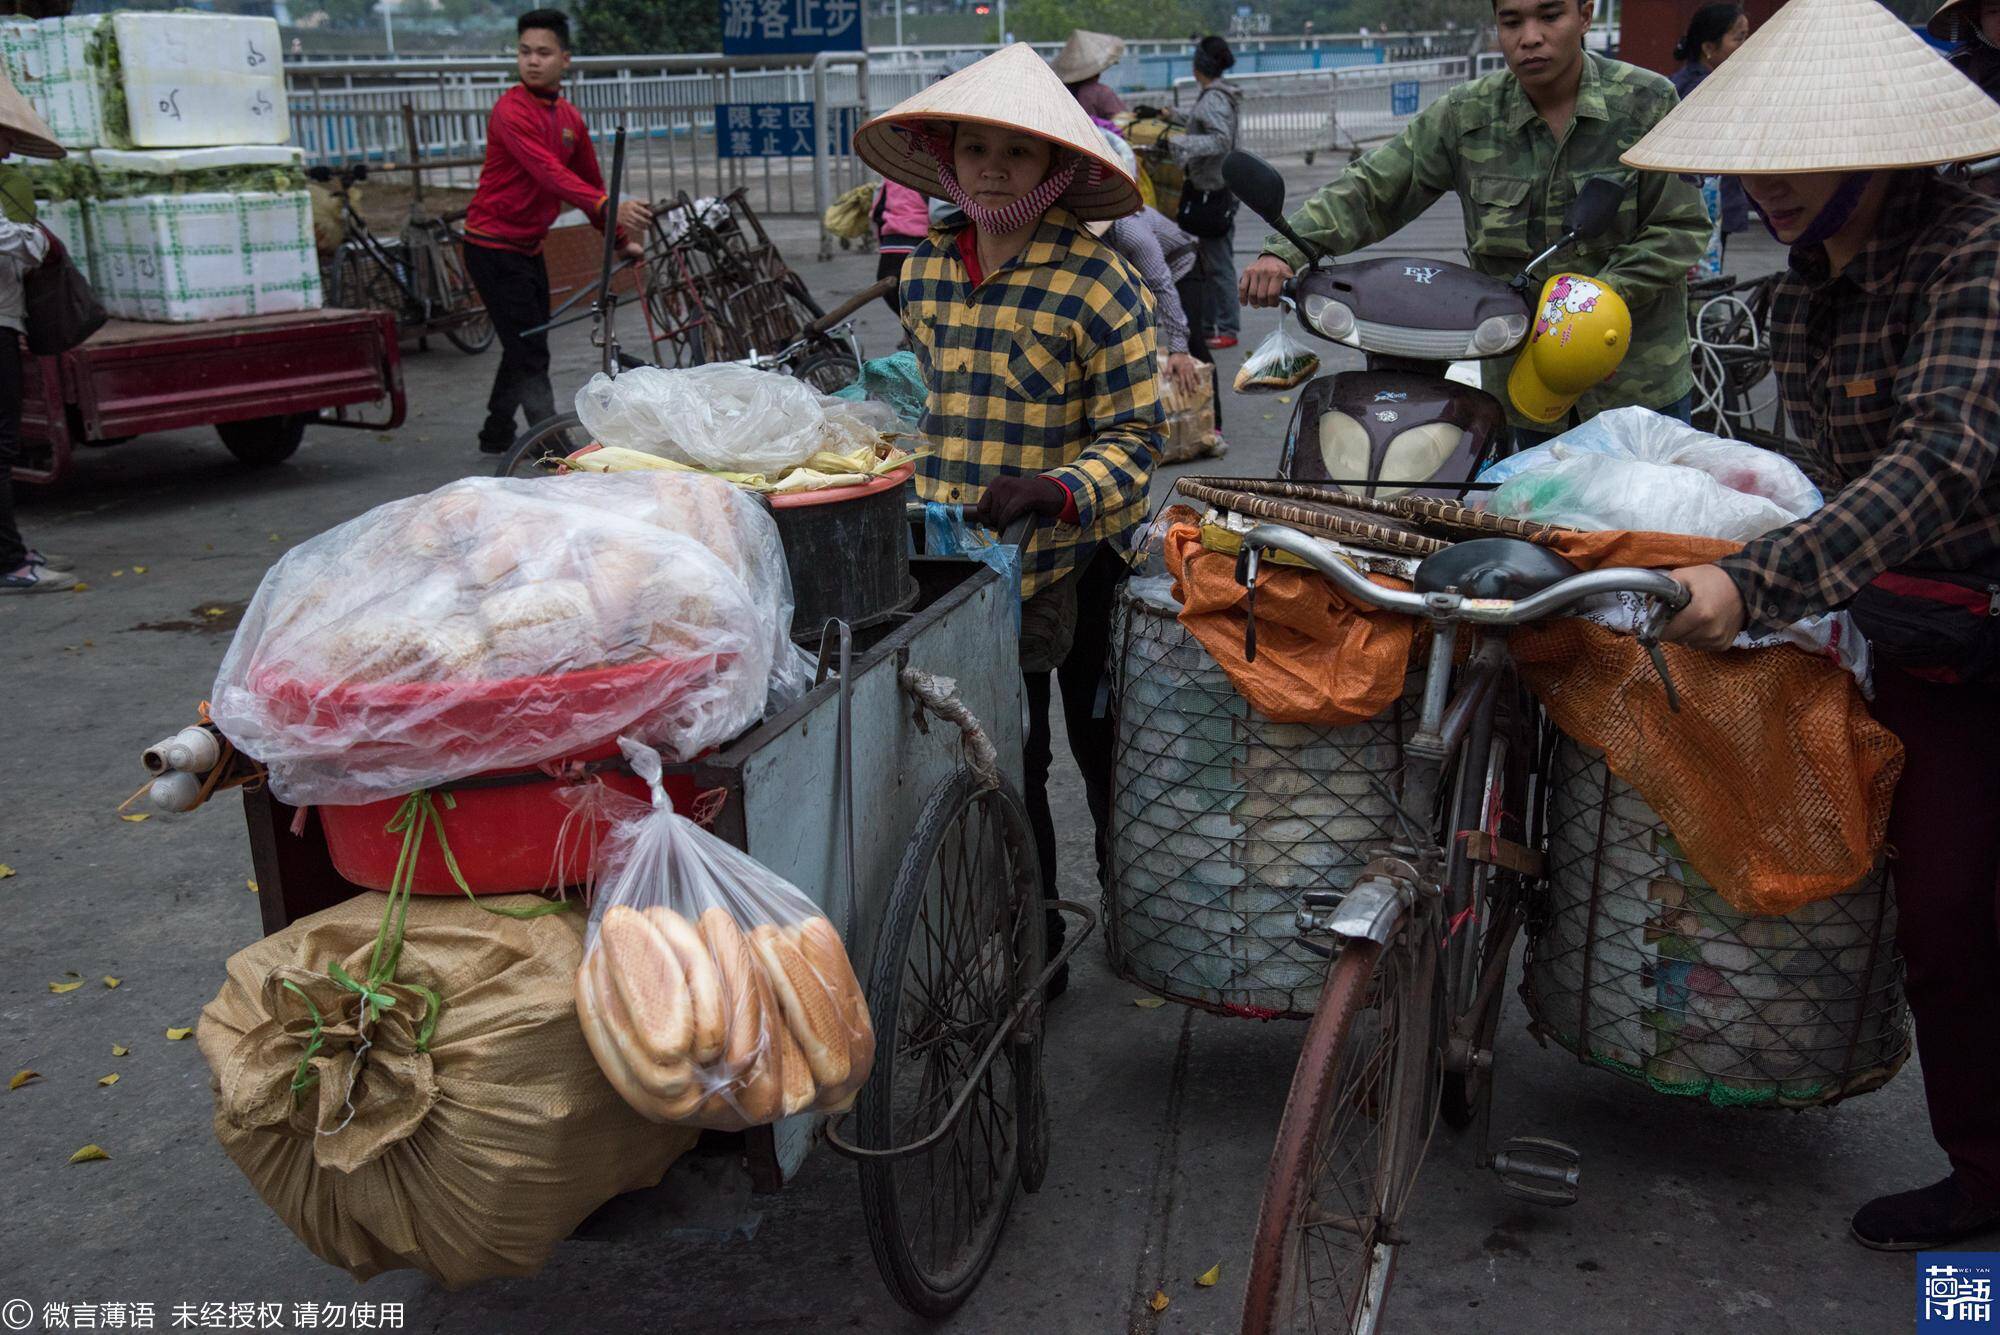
[{"x": 1830, "y": 219}]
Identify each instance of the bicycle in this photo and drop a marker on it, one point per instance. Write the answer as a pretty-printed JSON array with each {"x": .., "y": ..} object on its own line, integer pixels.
[
  {"x": 1420, "y": 943},
  {"x": 1729, "y": 333},
  {"x": 419, "y": 275}
]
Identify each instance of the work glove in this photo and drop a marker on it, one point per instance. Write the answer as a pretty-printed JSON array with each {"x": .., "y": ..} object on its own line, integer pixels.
[{"x": 1008, "y": 498}]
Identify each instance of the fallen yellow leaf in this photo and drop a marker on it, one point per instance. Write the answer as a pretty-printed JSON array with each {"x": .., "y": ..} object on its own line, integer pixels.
[
  {"x": 252, "y": 883},
  {"x": 138, "y": 570},
  {"x": 23, "y": 1077},
  {"x": 274, "y": 537},
  {"x": 1207, "y": 1279},
  {"x": 213, "y": 611},
  {"x": 88, "y": 1153},
  {"x": 178, "y": 1034},
  {"x": 136, "y": 816},
  {"x": 1160, "y": 1300},
  {"x": 108, "y": 1081},
  {"x": 116, "y": 574},
  {"x": 5, "y": 871},
  {"x": 117, "y": 1051},
  {"x": 1149, "y": 1003},
  {"x": 79, "y": 587},
  {"x": 109, "y": 981},
  {"x": 60, "y": 988}
]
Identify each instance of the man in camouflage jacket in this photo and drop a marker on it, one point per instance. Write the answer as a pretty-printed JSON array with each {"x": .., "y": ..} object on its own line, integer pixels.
[{"x": 1516, "y": 147}]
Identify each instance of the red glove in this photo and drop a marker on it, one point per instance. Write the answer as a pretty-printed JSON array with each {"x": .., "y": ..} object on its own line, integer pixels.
[{"x": 1008, "y": 498}]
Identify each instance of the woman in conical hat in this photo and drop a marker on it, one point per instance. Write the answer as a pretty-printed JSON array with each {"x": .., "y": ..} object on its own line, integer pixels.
[
  {"x": 24, "y": 245},
  {"x": 1036, "y": 342},
  {"x": 1081, "y": 64},
  {"x": 1885, "y": 336}
]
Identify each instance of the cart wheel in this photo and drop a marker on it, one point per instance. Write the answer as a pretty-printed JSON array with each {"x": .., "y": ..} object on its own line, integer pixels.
[
  {"x": 543, "y": 446},
  {"x": 963, "y": 935},
  {"x": 1349, "y": 1145},
  {"x": 263, "y": 441}
]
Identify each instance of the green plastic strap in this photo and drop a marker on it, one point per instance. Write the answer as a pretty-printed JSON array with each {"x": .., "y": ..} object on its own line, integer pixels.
[{"x": 304, "y": 1078}]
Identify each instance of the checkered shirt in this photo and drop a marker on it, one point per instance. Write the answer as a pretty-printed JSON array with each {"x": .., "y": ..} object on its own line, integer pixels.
[
  {"x": 1890, "y": 373},
  {"x": 1047, "y": 367}
]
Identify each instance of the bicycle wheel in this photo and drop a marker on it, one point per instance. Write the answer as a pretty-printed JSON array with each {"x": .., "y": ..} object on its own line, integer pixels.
[
  {"x": 827, "y": 368},
  {"x": 962, "y": 937},
  {"x": 1493, "y": 810},
  {"x": 541, "y": 449},
  {"x": 1349, "y": 1145},
  {"x": 473, "y": 334}
]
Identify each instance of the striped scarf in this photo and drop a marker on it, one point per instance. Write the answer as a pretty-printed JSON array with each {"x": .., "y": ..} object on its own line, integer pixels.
[{"x": 1009, "y": 217}]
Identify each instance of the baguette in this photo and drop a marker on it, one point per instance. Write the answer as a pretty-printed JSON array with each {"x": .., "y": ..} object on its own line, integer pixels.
[
  {"x": 820, "y": 944},
  {"x": 647, "y": 977},
  {"x": 708, "y": 1024},
  {"x": 754, "y": 1092},
  {"x": 812, "y": 1015},
  {"x": 793, "y": 1067},
  {"x": 661, "y": 1080},
  {"x": 610, "y": 1057}
]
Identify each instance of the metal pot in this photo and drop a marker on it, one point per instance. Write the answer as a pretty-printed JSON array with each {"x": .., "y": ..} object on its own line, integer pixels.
[{"x": 848, "y": 550}]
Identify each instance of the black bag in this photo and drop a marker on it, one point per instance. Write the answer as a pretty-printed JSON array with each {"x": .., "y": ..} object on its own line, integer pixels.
[
  {"x": 63, "y": 311},
  {"x": 1935, "y": 624},
  {"x": 1207, "y": 213}
]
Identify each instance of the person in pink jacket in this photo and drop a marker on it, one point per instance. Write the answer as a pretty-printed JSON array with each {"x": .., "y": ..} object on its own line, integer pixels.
[{"x": 902, "y": 221}]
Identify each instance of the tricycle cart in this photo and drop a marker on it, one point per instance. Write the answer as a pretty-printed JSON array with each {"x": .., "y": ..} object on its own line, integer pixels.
[
  {"x": 889, "y": 795},
  {"x": 259, "y": 380}
]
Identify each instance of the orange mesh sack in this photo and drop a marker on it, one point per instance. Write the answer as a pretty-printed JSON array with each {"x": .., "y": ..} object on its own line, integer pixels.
[{"x": 1320, "y": 659}]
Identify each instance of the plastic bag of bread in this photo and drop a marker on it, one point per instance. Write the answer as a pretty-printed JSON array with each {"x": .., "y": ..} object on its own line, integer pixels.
[
  {"x": 499, "y": 623},
  {"x": 713, "y": 993},
  {"x": 1279, "y": 362}
]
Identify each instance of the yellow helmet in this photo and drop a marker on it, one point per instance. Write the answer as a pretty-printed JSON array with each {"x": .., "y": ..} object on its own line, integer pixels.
[{"x": 1582, "y": 329}]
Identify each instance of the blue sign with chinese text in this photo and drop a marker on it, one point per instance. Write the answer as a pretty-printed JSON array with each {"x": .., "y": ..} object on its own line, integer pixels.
[
  {"x": 764, "y": 129},
  {"x": 1403, "y": 98},
  {"x": 1955, "y": 1291},
  {"x": 790, "y": 27}
]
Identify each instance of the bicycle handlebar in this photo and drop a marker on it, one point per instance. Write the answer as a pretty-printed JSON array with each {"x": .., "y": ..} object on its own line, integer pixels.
[
  {"x": 1457, "y": 607},
  {"x": 846, "y": 308}
]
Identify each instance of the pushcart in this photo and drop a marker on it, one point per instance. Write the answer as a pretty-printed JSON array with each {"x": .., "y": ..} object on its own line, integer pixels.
[{"x": 889, "y": 794}]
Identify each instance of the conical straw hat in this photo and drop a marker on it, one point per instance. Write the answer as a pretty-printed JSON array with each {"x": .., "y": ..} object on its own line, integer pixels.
[
  {"x": 1826, "y": 85},
  {"x": 1086, "y": 55},
  {"x": 1955, "y": 20},
  {"x": 1012, "y": 89},
  {"x": 27, "y": 133}
]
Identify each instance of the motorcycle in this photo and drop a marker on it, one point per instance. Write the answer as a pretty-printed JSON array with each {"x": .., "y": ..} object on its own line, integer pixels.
[{"x": 1403, "y": 425}]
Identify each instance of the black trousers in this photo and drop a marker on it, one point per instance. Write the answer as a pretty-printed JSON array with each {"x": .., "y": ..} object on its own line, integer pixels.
[
  {"x": 1082, "y": 678},
  {"x": 13, "y": 550},
  {"x": 1193, "y": 292},
  {"x": 515, "y": 289}
]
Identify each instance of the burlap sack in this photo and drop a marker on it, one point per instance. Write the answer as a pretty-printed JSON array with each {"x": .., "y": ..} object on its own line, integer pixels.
[{"x": 469, "y": 1160}]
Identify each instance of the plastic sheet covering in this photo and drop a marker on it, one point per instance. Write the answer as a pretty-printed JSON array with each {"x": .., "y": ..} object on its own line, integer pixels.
[
  {"x": 713, "y": 993},
  {"x": 894, "y": 380},
  {"x": 725, "y": 418},
  {"x": 1635, "y": 469},
  {"x": 501, "y": 623}
]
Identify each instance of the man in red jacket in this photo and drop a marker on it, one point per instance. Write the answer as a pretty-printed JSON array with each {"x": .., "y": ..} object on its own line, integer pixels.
[{"x": 538, "y": 160}]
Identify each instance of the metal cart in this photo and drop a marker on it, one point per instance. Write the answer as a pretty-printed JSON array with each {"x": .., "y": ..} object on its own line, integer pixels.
[{"x": 889, "y": 794}]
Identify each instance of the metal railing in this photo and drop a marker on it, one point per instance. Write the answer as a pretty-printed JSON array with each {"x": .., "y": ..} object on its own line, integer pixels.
[{"x": 1310, "y": 112}]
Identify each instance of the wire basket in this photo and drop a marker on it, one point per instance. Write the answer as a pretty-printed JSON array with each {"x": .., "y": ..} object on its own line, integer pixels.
[
  {"x": 1637, "y": 965},
  {"x": 1221, "y": 820}
]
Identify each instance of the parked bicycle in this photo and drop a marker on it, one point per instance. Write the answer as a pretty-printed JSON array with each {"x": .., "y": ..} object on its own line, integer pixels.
[
  {"x": 1420, "y": 944},
  {"x": 419, "y": 275},
  {"x": 1729, "y": 333}
]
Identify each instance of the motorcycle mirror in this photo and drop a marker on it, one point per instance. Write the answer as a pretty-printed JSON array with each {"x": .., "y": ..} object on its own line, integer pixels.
[
  {"x": 1591, "y": 212},
  {"x": 1257, "y": 183}
]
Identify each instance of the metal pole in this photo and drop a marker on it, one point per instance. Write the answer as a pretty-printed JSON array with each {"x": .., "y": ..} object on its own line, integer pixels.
[
  {"x": 1003, "y": 22},
  {"x": 388, "y": 28},
  {"x": 899, "y": 25}
]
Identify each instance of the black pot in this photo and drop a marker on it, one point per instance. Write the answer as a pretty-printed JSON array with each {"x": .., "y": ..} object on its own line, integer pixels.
[{"x": 849, "y": 556}]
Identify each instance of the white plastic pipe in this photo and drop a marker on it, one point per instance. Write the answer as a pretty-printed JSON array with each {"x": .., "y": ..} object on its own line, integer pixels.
[
  {"x": 176, "y": 790},
  {"x": 193, "y": 749}
]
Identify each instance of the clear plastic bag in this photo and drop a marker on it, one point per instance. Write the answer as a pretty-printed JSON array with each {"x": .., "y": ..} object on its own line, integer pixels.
[
  {"x": 713, "y": 993},
  {"x": 1632, "y": 468},
  {"x": 1279, "y": 362},
  {"x": 501, "y": 623},
  {"x": 726, "y": 418}
]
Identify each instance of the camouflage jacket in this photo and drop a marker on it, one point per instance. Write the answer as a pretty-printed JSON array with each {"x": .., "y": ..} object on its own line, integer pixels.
[{"x": 1514, "y": 178}]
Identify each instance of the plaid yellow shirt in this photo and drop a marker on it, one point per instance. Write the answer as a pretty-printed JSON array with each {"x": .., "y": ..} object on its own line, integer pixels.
[{"x": 1046, "y": 367}]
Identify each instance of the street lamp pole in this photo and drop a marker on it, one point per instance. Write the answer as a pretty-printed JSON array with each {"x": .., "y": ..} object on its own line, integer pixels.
[
  {"x": 899, "y": 25},
  {"x": 1003, "y": 22},
  {"x": 388, "y": 28}
]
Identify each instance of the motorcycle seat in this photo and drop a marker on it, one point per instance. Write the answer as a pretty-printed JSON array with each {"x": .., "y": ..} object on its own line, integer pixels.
[{"x": 1492, "y": 568}]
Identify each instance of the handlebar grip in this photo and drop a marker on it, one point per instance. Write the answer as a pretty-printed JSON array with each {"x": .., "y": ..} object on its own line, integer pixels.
[
  {"x": 360, "y": 172},
  {"x": 320, "y": 174}
]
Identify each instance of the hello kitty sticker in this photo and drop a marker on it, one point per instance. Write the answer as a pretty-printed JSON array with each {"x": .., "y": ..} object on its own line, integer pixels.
[{"x": 1568, "y": 296}]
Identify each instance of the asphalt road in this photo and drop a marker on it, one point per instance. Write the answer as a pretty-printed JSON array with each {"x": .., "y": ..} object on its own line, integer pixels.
[{"x": 1691, "y": 1219}]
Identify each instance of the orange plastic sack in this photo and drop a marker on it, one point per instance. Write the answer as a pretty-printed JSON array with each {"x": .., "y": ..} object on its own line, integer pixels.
[{"x": 1320, "y": 659}]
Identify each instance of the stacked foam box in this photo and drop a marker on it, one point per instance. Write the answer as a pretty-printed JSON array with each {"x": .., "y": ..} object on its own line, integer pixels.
[
  {"x": 190, "y": 209},
  {"x": 170, "y": 243}
]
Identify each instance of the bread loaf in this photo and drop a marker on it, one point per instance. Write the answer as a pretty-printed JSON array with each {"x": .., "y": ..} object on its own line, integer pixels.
[
  {"x": 823, "y": 952},
  {"x": 647, "y": 979},
  {"x": 668, "y": 1080},
  {"x": 794, "y": 1068},
  {"x": 755, "y": 1092},
  {"x": 591, "y": 1010},
  {"x": 813, "y": 1016},
  {"x": 707, "y": 1020}
]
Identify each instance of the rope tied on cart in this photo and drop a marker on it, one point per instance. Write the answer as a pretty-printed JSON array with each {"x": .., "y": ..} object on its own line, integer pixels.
[
  {"x": 939, "y": 696},
  {"x": 417, "y": 816}
]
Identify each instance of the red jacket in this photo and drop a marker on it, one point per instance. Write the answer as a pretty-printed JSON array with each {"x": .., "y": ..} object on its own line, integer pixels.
[{"x": 538, "y": 159}]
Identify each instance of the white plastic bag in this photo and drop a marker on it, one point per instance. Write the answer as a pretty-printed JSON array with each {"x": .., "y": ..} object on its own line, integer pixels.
[
  {"x": 501, "y": 623},
  {"x": 726, "y": 418},
  {"x": 1632, "y": 468},
  {"x": 1279, "y": 362},
  {"x": 713, "y": 993}
]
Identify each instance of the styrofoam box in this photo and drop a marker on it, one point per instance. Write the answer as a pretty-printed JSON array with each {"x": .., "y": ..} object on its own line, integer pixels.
[
  {"x": 46, "y": 64},
  {"x": 64, "y": 217},
  {"x": 197, "y": 79},
  {"x": 177, "y": 161},
  {"x": 186, "y": 258}
]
